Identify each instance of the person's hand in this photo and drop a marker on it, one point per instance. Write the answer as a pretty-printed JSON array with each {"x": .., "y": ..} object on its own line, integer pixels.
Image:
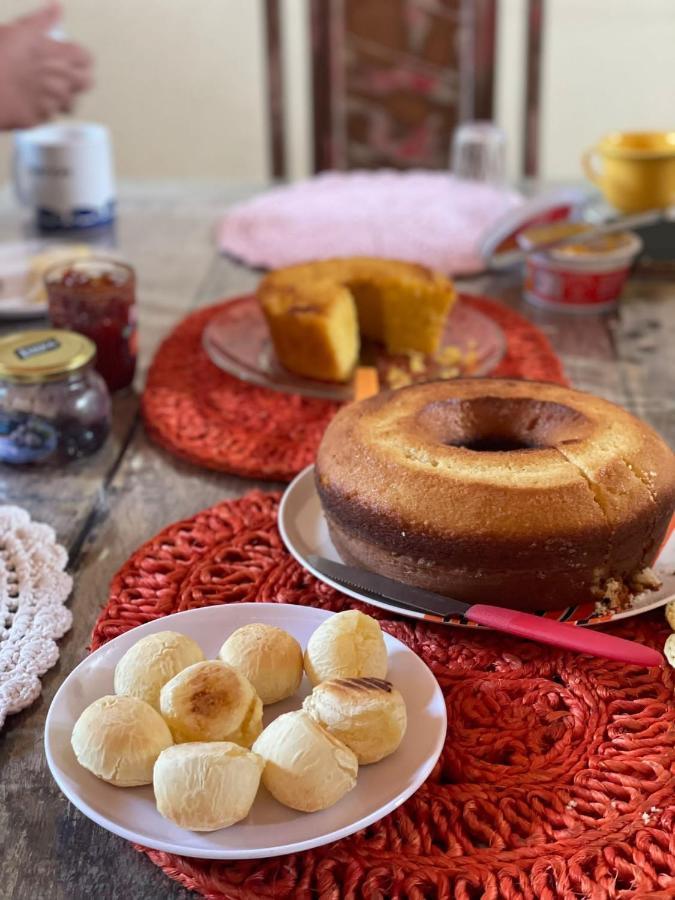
[{"x": 39, "y": 77}]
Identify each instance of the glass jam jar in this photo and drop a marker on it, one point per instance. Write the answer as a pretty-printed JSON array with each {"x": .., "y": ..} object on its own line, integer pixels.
[
  {"x": 54, "y": 406},
  {"x": 97, "y": 297}
]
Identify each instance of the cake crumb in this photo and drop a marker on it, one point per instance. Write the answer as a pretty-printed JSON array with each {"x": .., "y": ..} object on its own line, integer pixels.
[
  {"x": 647, "y": 816},
  {"x": 571, "y": 805},
  {"x": 449, "y": 372},
  {"x": 449, "y": 356},
  {"x": 417, "y": 363},
  {"x": 646, "y": 580},
  {"x": 398, "y": 377},
  {"x": 615, "y": 594}
]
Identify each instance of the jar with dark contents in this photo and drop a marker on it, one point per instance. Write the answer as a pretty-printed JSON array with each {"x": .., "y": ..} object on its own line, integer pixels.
[
  {"x": 97, "y": 297},
  {"x": 54, "y": 406}
]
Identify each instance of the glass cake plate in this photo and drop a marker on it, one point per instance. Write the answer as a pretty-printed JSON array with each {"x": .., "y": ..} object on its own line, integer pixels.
[{"x": 238, "y": 342}]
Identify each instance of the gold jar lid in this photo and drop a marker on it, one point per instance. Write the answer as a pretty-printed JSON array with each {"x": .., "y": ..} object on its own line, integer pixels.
[{"x": 35, "y": 356}]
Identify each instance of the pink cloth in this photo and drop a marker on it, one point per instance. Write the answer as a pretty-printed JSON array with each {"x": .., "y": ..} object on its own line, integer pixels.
[{"x": 430, "y": 218}]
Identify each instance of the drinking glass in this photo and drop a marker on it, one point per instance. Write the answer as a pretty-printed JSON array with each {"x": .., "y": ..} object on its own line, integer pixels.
[
  {"x": 97, "y": 297},
  {"x": 479, "y": 152}
]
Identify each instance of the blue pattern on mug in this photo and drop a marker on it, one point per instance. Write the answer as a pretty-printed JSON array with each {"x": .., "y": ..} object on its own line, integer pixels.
[{"x": 77, "y": 218}]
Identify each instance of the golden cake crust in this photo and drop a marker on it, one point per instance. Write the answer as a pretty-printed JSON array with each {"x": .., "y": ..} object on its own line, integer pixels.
[{"x": 580, "y": 492}]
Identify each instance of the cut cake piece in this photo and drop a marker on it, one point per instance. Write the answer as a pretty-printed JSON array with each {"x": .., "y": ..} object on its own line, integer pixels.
[{"x": 312, "y": 311}]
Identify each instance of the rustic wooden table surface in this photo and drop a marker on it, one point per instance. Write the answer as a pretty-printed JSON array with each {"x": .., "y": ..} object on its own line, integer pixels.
[{"x": 103, "y": 508}]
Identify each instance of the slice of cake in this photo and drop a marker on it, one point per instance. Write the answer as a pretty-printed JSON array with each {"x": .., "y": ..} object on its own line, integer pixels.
[
  {"x": 315, "y": 333},
  {"x": 401, "y": 305},
  {"x": 401, "y": 314}
]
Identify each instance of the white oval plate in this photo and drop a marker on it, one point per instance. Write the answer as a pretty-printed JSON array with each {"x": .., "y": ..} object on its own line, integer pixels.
[
  {"x": 304, "y": 531},
  {"x": 270, "y": 829},
  {"x": 15, "y": 259},
  {"x": 14, "y": 263}
]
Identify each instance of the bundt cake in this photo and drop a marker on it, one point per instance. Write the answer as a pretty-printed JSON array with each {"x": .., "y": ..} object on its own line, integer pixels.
[
  {"x": 315, "y": 312},
  {"x": 515, "y": 493}
]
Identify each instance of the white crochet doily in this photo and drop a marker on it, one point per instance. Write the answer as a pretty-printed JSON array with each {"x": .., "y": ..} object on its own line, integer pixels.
[{"x": 33, "y": 589}]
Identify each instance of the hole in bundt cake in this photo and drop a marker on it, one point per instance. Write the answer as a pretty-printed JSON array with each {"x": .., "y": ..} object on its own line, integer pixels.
[
  {"x": 502, "y": 424},
  {"x": 495, "y": 444}
]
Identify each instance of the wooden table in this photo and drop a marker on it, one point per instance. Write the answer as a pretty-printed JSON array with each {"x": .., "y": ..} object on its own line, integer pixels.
[{"x": 104, "y": 507}]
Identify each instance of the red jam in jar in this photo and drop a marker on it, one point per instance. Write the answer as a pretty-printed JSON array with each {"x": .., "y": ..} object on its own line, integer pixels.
[{"x": 97, "y": 297}]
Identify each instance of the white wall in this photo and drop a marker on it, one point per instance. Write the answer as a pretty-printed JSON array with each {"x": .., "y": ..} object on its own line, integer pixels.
[
  {"x": 297, "y": 87},
  {"x": 608, "y": 65},
  {"x": 509, "y": 79},
  {"x": 181, "y": 83}
]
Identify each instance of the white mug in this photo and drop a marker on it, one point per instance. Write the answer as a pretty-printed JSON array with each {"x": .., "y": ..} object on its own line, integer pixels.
[{"x": 65, "y": 173}]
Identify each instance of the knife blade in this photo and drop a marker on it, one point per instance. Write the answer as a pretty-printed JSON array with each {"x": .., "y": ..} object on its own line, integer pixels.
[
  {"x": 439, "y": 608},
  {"x": 620, "y": 223},
  {"x": 414, "y": 598}
]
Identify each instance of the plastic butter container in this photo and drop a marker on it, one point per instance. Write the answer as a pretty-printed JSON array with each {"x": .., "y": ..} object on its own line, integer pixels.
[
  {"x": 584, "y": 277},
  {"x": 577, "y": 278}
]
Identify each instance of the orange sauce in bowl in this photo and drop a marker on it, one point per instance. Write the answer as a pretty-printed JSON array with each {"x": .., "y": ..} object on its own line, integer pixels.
[{"x": 544, "y": 234}]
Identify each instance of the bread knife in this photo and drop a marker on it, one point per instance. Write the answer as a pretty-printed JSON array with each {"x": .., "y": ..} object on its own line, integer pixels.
[{"x": 437, "y": 608}]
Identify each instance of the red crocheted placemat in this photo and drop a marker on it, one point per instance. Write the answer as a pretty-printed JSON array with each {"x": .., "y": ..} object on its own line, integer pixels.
[
  {"x": 202, "y": 414},
  {"x": 556, "y": 779}
]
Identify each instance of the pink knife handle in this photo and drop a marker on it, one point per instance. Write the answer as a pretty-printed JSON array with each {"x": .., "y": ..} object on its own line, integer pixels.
[{"x": 571, "y": 637}]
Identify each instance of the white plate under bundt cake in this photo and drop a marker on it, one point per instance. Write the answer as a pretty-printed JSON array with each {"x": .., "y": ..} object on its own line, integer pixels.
[{"x": 515, "y": 493}]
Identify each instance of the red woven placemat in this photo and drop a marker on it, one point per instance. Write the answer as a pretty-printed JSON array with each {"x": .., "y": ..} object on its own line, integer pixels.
[
  {"x": 556, "y": 780},
  {"x": 202, "y": 414}
]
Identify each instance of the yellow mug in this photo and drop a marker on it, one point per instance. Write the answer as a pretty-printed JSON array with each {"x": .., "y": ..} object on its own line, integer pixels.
[{"x": 635, "y": 170}]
